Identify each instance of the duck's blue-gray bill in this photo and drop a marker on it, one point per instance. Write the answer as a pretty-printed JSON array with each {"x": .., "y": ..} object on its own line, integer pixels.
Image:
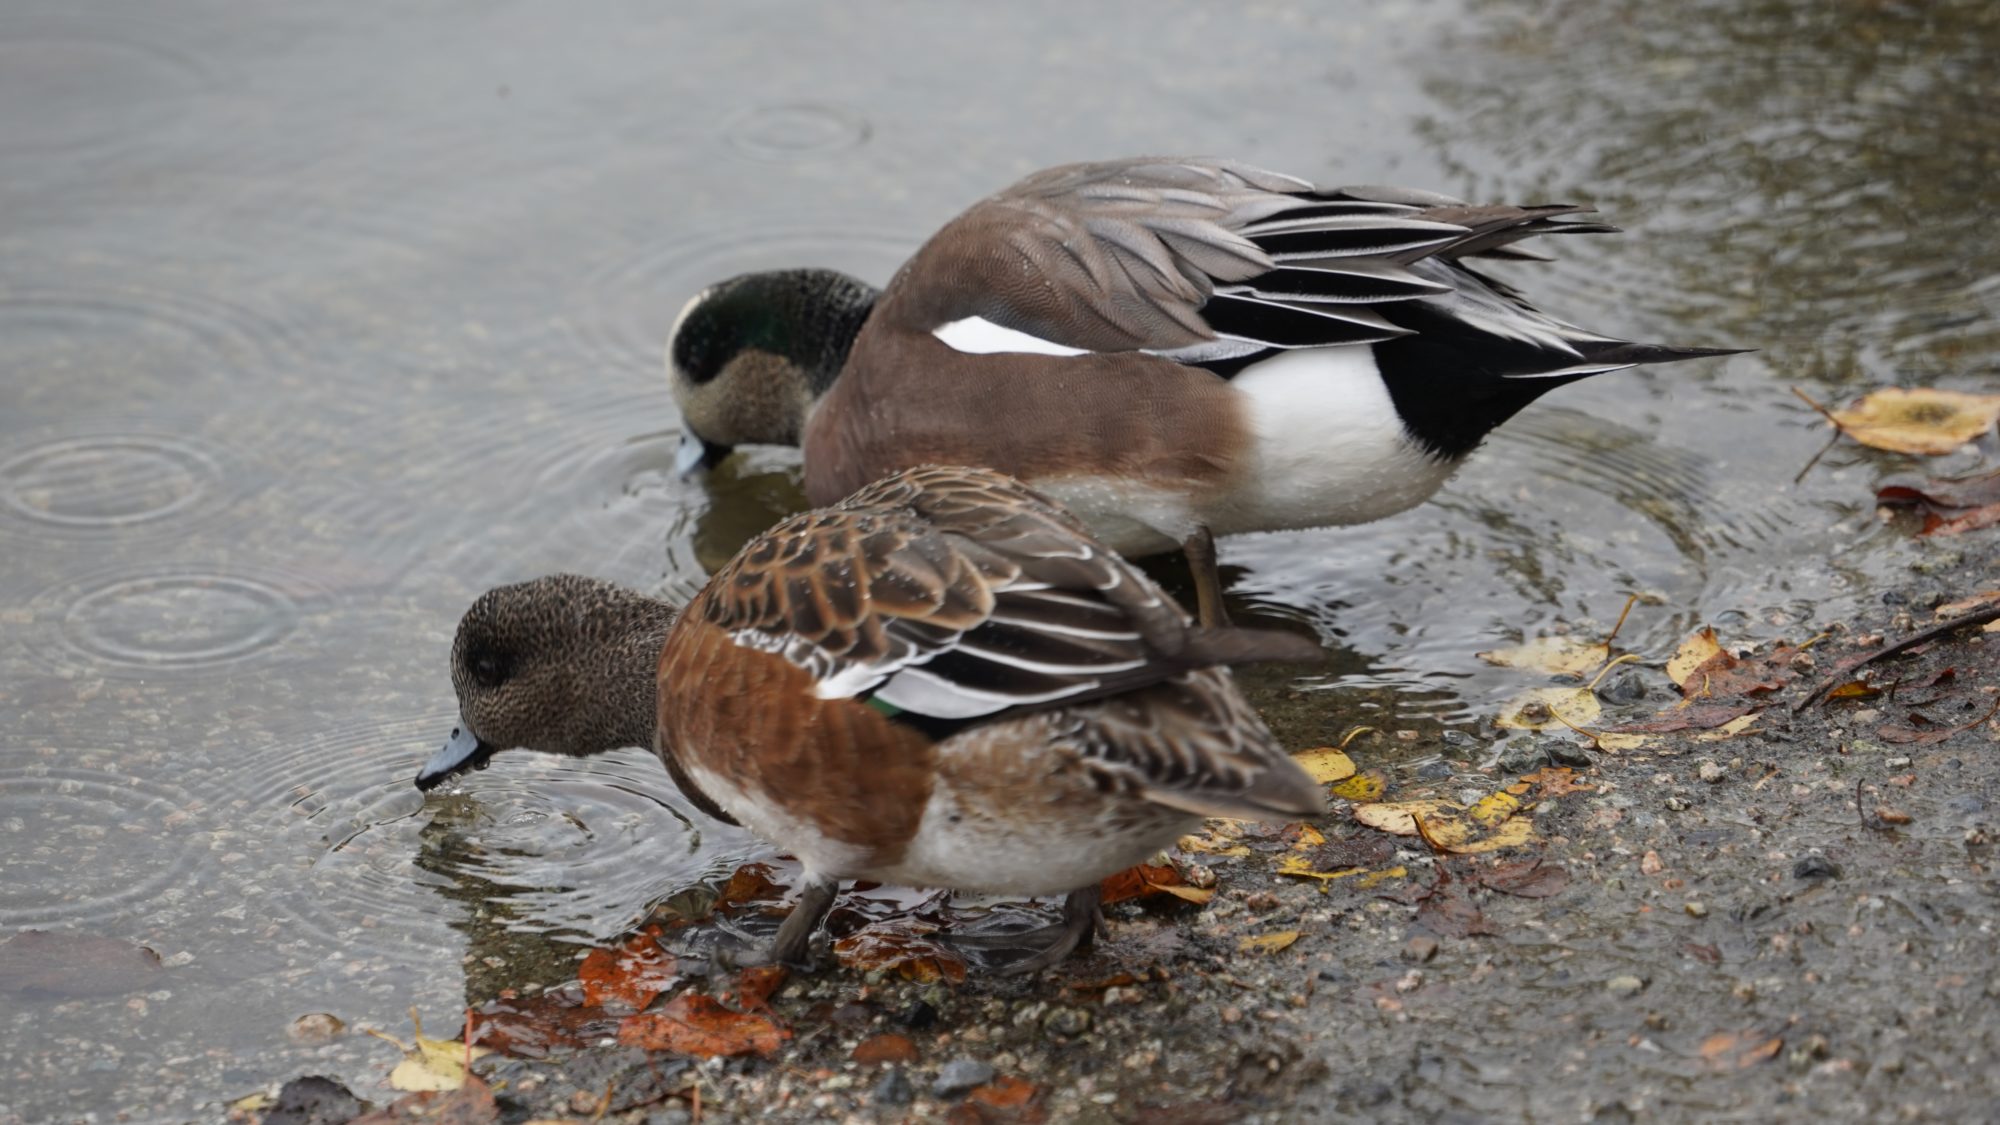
[
  {"x": 465, "y": 751},
  {"x": 693, "y": 454}
]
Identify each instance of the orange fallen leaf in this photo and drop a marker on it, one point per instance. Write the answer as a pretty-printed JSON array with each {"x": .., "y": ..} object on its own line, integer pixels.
[
  {"x": 1556, "y": 781},
  {"x": 630, "y": 973},
  {"x": 694, "y": 1024},
  {"x": 753, "y": 986},
  {"x": 1151, "y": 879},
  {"x": 903, "y": 945},
  {"x": 1736, "y": 1050},
  {"x": 887, "y": 1047}
]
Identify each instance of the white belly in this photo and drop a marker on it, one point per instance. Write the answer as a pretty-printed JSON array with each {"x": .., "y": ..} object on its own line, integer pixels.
[{"x": 1327, "y": 447}]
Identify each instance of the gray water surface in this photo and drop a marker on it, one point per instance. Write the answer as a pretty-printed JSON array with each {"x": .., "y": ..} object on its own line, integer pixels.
[{"x": 316, "y": 321}]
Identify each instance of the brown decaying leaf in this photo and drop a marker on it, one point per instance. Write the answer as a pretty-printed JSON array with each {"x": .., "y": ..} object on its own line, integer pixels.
[
  {"x": 888, "y": 1047},
  {"x": 1950, "y": 506},
  {"x": 1923, "y": 420},
  {"x": 1700, "y": 716},
  {"x": 1151, "y": 879},
  {"x": 1922, "y": 731},
  {"x": 694, "y": 1024},
  {"x": 1556, "y": 781},
  {"x": 1446, "y": 910},
  {"x": 752, "y": 989},
  {"x": 902, "y": 944},
  {"x": 62, "y": 965},
  {"x": 1526, "y": 878},
  {"x": 534, "y": 1026},
  {"x": 1006, "y": 1100},
  {"x": 630, "y": 973}
]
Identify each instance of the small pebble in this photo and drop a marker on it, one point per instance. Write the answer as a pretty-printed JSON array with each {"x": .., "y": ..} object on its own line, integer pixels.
[
  {"x": 960, "y": 1075},
  {"x": 1709, "y": 772},
  {"x": 1677, "y": 804},
  {"x": 1067, "y": 1021},
  {"x": 1889, "y": 815},
  {"x": 1420, "y": 949},
  {"x": 1897, "y": 763},
  {"x": 1815, "y": 867},
  {"x": 1696, "y": 909},
  {"x": 1651, "y": 863},
  {"x": 1624, "y": 985},
  {"x": 893, "y": 1089}
]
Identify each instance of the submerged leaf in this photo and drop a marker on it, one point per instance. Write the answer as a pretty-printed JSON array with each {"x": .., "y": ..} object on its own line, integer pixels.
[
  {"x": 1922, "y": 420},
  {"x": 1695, "y": 652},
  {"x": 630, "y": 973},
  {"x": 1558, "y": 656}
]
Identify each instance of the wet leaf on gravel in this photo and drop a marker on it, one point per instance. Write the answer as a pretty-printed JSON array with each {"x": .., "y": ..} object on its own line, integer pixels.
[
  {"x": 1950, "y": 506},
  {"x": 1451, "y": 826},
  {"x": 753, "y": 987},
  {"x": 1368, "y": 785},
  {"x": 1736, "y": 1050},
  {"x": 1923, "y": 420},
  {"x": 1545, "y": 708},
  {"x": 1267, "y": 943},
  {"x": 1918, "y": 730},
  {"x": 1007, "y": 1100},
  {"x": 694, "y": 1024},
  {"x": 904, "y": 945},
  {"x": 1526, "y": 878},
  {"x": 1151, "y": 879},
  {"x": 1558, "y": 656},
  {"x": 1326, "y": 764},
  {"x": 888, "y": 1047},
  {"x": 1447, "y": 910},
  {"x": 471, "y": 1104},
  {"x": 630, "y": 973},
  {"x": 429, "y": 1064},
  {"x": 1700, "y": 716},
  {"x": 534, "y": 1026},
  {"x": 41, "y": 963},
  {"x": 1556, "y": 781}
]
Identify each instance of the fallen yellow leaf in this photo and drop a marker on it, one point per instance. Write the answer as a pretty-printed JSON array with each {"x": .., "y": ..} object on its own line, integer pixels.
[
  {"x": 1558, "y": 656},
  {"x": 1730, "y": 729},
  {"x": 1538, "y": 709},
  {"x": 1495, "y": 807},
  {"x": 1918, "y": 419},
  {"x": 1300, "y": 867},
  {"x": 1368, "y": 785},
  {"x": 1448, "y": 825},
  {"x": 1268, "y": 943},
  {"x": 1387, "y": 873},
  {"x": 1693, "y": 653},
  {"x": 1195, "y": 895},
  {"x": 429, "y": 1064},
  {"x": 1326, "y": 764}
]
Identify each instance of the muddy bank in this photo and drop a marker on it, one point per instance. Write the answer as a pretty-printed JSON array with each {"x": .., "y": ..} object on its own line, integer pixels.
[{"x": 1787, "y": 919}]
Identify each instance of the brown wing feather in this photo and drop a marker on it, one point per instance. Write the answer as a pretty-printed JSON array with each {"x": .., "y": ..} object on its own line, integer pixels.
[{"x": 959, "y": 593}]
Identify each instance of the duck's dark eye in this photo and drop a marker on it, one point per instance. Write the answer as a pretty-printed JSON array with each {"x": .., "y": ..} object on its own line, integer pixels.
[{"x": 488, "y": 670}]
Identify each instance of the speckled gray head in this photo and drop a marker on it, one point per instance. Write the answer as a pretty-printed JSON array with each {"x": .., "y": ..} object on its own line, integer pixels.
[{"x": 563, "y": 664}]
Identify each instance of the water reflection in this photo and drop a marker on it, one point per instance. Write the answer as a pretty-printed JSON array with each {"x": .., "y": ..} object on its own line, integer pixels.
[{"x": 1813, "y": 173}]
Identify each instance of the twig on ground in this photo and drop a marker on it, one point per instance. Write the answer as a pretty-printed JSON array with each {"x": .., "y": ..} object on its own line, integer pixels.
[{"x": 1847, "y": 668}]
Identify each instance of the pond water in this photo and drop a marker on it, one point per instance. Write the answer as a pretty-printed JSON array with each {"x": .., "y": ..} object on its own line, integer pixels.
[{"x": 316, "y": 321}]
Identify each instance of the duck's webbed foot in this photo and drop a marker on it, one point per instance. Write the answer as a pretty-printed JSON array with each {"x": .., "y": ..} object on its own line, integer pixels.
[{"x": 1048, "y": 945}]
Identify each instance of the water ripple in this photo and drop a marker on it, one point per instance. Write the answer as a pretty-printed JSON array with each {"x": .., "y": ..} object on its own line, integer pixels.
[{"x": 87, "y": 840}]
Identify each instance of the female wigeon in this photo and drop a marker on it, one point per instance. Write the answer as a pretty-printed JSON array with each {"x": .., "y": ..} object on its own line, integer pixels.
[
  {"x": 1173, "y": 349},
  {"x": 941, "y": 681}
]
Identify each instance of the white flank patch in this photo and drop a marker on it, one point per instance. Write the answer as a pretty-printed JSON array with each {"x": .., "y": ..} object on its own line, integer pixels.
[
  {"x": 979, "y": 336},
  {"x": 1328, "y": 444}
]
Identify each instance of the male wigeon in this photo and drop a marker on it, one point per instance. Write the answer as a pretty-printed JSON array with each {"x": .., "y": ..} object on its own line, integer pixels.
[
  {"x": 941, "y": 681},
  {"x": 1172, "y": 348}
]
